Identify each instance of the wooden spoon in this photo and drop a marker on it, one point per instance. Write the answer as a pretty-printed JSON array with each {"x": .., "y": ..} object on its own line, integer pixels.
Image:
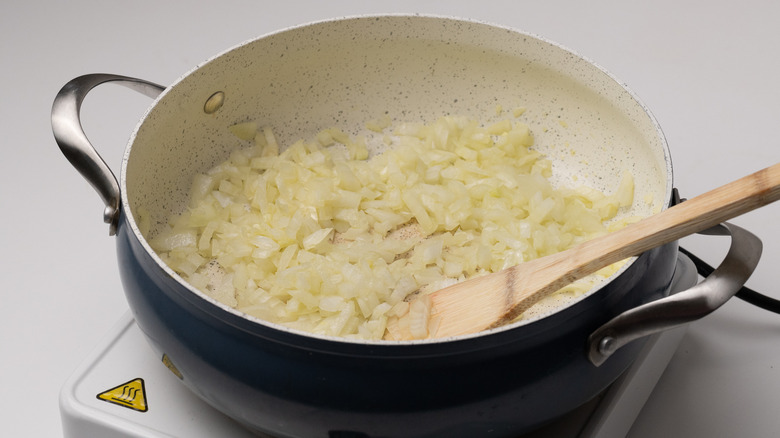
[{"x": 492, "y": 300}]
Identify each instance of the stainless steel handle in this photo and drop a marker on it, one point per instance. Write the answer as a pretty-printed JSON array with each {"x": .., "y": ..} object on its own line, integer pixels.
[
  {"x": 686, "y": 306},
  {"x": 66, "y": 125}
]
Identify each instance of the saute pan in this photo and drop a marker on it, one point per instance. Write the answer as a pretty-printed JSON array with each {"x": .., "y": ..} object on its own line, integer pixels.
[{"x": 347, "y": 72}]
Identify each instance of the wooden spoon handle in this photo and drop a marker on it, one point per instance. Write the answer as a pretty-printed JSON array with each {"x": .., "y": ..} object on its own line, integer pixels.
[{"x": 694, "y": 215}]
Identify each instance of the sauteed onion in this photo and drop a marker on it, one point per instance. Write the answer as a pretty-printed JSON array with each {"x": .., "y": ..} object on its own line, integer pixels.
[{"x": 326, "y": 237}]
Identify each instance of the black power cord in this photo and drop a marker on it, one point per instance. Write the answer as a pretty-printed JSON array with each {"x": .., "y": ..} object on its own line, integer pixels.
[{"x": 746, "y": 294}]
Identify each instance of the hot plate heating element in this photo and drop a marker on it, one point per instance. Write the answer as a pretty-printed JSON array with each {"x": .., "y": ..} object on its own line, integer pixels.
[{"x": 123, "y": 390}]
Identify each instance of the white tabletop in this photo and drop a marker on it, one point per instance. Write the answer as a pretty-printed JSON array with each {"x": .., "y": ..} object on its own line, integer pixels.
[{"x": 708, "y": 70}]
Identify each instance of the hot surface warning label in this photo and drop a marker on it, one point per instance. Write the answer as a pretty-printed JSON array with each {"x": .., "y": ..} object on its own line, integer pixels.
[{"x": 131, "y": 395}]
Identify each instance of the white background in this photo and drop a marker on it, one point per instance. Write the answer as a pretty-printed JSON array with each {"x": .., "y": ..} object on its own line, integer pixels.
[{"x": 709, "y": 71}]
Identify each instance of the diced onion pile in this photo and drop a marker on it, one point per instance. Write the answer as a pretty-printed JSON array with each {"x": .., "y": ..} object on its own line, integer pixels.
[{"x": 322, "y": 238}]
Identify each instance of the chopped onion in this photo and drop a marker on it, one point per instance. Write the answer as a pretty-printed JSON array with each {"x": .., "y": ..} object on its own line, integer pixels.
[{"x": 322, "y": 238}]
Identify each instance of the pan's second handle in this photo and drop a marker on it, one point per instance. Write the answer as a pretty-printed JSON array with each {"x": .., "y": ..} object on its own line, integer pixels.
[
  {"x": 686, "y": 306},
  {"x": 66, "y": 125}
]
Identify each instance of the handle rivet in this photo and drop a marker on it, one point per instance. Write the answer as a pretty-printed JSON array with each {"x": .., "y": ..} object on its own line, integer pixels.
[
  {"x": 607, "y": 345},
  {"x": 214, "y": 102}
]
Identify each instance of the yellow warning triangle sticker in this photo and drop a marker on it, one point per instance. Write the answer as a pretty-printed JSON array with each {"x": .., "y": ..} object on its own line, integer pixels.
[{"x": 131, "y": 395}]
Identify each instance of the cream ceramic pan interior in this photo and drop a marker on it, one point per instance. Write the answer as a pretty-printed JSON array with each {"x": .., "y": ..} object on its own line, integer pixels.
[{"x": 347, "y": 72}]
